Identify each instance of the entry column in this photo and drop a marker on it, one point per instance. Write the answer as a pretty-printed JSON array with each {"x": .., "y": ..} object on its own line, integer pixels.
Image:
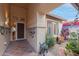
[{"x": 41, "y": 29}]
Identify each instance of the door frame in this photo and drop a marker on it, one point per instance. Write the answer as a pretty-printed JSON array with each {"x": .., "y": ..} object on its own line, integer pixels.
[{"x": 16, "y": 31}]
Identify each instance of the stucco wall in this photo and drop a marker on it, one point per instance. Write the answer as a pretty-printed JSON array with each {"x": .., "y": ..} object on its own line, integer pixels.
[
  {"x": 31, "y": 17},
  {"x": 18, "y": 13},
  {"x": 31, "y": 27},
  {"x": 4, "y": 39},
  {"x": 36, "y": 23},
  {"x": 41, "y": 29}
]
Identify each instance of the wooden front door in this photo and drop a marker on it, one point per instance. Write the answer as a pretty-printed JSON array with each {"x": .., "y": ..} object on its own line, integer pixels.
[{"x": 20, "y": 31}]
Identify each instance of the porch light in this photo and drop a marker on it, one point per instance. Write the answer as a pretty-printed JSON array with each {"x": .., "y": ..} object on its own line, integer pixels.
[
  {"x": 6, "y": 19},
  {"x": 6, "y": 22}
]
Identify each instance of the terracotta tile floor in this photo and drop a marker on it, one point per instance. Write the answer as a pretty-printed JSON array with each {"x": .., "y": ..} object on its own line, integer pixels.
[{"x": 19, "y": 48}]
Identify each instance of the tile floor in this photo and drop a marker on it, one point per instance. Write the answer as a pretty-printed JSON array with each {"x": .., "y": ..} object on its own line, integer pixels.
[
  {"x": 23, "y": 48},
  {"x": 19, "y": 48}
]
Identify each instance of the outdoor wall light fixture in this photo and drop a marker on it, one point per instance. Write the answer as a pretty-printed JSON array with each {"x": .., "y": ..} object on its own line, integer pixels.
[{"x": 6, "y": 22}]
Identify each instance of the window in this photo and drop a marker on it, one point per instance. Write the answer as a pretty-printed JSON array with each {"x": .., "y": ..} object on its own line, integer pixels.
[
  {"x": 56, "y": 29},
  {"x": 50, "y": 31},
  {"x": 52, "y": 28}
]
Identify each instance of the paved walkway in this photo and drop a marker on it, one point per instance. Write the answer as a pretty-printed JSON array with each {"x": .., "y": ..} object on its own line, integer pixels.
[
  {"x": 19, "y": 48},
  {"x": 57, "y": 50},
  {"x": 23, "y": 48}
]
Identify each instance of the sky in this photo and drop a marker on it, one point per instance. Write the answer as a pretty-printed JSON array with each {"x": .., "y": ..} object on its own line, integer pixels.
[{"x": 66, "y": 11}]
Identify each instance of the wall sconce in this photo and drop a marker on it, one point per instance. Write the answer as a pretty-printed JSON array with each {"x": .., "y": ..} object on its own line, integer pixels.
[{"x": 7, "y": 22}]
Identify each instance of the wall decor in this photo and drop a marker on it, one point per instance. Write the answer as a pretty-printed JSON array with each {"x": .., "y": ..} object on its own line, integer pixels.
[
  {"x": 16, "y": 18},
  {"x": 4, "y": 30},
  {"x": 31, "y": 32}
]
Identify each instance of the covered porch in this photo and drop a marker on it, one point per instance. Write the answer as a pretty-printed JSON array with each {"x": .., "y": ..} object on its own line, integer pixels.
[
  {"x": 26, "y": 26},
  {"x": 32, "y": 17}
]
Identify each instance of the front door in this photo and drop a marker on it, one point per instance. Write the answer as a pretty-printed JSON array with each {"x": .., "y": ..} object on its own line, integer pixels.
[{"x": 20, "y": 31}]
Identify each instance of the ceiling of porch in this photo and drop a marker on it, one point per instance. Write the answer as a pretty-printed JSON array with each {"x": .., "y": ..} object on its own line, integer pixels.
[{"x": 41, "y": 7}]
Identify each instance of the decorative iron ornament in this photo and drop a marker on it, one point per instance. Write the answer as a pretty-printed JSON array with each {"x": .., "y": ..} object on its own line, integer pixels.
[
  {"x": 4, "y": 30},
  {"x": 43, "y": 49},
  {"x": 32, "y": 32}
]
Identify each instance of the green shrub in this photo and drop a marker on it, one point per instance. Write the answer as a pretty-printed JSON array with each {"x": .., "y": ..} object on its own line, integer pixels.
[
  {"x": 73, "y": 45},
  {"x": 50, "y": 40},
  {"x": 73, "y": 35}
]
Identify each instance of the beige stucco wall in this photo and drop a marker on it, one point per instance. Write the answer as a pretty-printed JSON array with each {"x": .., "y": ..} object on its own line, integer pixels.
[
  {"x": 31, "y": 17},
  {"x": 18, "y": 13},
  {"x": 4, "y": 39},
  {"x": 41, "y": 29},
  {"x": 31, "y": 27}
]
